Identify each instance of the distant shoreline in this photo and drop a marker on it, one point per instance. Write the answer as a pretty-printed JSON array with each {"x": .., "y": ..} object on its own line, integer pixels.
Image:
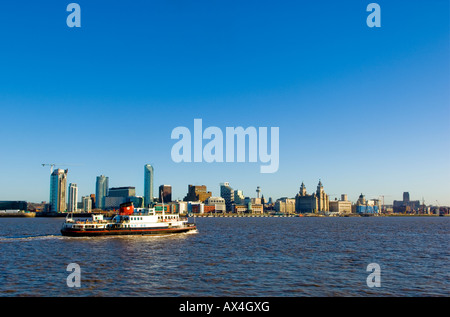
[
  {"x": 306, "y": 215},
  {"x": 218, "y": 215},
  {"x": 18, "y": 214}
]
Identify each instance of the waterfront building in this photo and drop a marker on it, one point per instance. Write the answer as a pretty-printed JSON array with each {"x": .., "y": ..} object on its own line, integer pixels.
[
  {"x": 227, "y": 193},
  {"x": 406, "y": 205},
  {"x": 197, "y": 193},
  {"x": 138, "y": 201},
  {"x": 73, "y": 197},
  {"x": 113, "y": 202},
  {"x": 248, "y": 208},
  {"x": 314, "y": 203},
  {"x": 342, "y": 206},
  {"x": 285, "y": 205},
  {"x": 256, "y": 209},
  {"x": 169, "y": 208},
  {"x": 165, "y": 193},
  {"x": 242, "y": 208},
  {"x": 179, "y": 207},
  {"x": 16, "y": 205},
  {"x": 119, "y": 195},
  {"x": 366, "y": 206},
  {"x": 101, "y": 191},
  {"x": 196, "y": 207},
  {"x": 217, "y": 202},
  {"x": 93, "y": 201},
  {"x": 255, "y": 201},
  {"x": 238, "y": 197},
  {"x": 126, "y": 191},
  {"x": 148, "y": 184},
  {"x": 87, "y": 203},
  {"x": 58, "y": 188}
]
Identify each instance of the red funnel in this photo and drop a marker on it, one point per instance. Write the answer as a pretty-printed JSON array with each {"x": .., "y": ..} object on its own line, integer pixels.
[{"x": 126, "y": 209}]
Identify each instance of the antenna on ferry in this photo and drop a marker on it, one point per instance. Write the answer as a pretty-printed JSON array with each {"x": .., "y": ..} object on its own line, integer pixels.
[{"x": 162, "y": 200}]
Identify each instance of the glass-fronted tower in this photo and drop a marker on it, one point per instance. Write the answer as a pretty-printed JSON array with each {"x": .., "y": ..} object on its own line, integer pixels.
[
  {"x": 148, "y": 185},
  {"x": 73, "y": 197},
  {"x": 58, "y": 188},
  {"x": 101, "y": 191}
]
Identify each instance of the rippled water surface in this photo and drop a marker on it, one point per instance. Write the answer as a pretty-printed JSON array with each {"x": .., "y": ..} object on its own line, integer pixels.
[{"x": 232, "y": 257}]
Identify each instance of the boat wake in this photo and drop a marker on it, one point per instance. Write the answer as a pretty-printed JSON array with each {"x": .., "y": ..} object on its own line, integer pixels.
[
  {"x": 30, "y": 238},
  {"x": 60, "y": 237}
]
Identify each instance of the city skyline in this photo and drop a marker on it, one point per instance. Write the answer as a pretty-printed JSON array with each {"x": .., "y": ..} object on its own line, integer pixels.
[
  {"x": 366, "y": 110},
  {"x": 225, "y": 190}
]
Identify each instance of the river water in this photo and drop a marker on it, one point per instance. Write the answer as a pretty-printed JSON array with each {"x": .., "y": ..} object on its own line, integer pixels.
[{"x": 261, "y": 257}]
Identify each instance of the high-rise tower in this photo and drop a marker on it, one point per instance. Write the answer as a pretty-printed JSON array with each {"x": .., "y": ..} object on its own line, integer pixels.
[
  {"x": 227, "y": 193},
  {"x": 58, "y": 188},
  {"x": 73, "y": 197},
  {"x": 165, "y": 193},
  {"x": 148, "y": 185},
  {"x": 101, "y": 191}
]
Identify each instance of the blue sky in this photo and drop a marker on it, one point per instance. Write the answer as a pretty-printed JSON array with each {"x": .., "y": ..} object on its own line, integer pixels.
[{"x": 366, "y": 110}]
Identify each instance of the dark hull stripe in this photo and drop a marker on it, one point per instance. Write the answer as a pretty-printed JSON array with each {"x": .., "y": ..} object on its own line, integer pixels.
[{"x": 127, "y": 231}]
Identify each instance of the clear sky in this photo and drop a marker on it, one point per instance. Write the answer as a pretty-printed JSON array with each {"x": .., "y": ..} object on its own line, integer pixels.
[{"x": 366, "y": 110}]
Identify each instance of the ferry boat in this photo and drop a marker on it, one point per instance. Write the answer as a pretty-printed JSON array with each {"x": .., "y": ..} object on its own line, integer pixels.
[{"x": 129, "y": 221}]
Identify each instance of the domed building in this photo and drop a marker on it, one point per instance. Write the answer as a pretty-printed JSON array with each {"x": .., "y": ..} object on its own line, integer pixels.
[{"x": 367, "y": 206}]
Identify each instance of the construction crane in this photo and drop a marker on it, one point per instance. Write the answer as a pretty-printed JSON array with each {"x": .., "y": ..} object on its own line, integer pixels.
[
  {"x": 52, "y": 165},
  {"x": 382, "y": 196}
]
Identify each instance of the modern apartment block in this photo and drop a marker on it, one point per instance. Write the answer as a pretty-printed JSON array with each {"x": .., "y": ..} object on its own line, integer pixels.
[
  {"x": 73, "y": 197},
  {"x": 227, "y": 193},
  {"x": 87, "y": 203},
  {"x": 58, "y": 188}
]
